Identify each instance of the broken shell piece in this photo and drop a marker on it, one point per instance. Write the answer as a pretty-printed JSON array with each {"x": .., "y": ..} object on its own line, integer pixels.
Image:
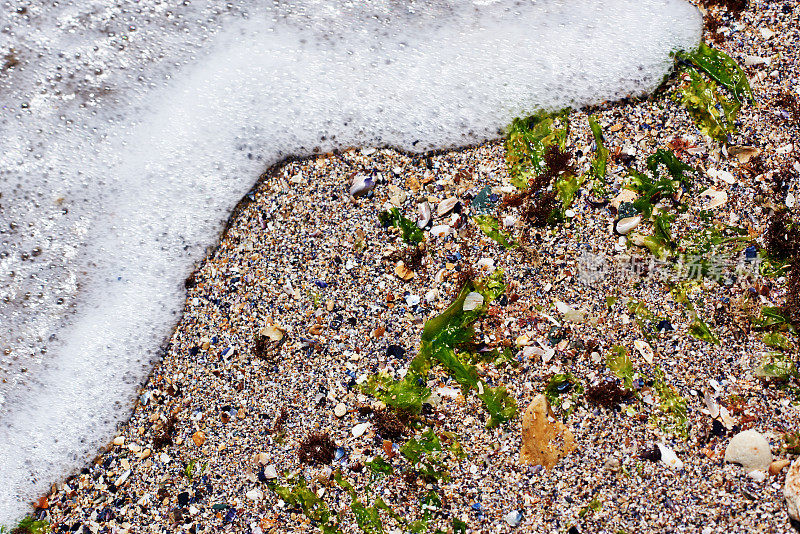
[
  {"x": 472, "y": 301},
  {"x": 362, "y": 184},
  {"x": 446, "y": 206},
  {"x": 403, "y": 272},
  {"x": 725, "y": 176},
  {"x": 716, "y": 198},
  {"x": 669, "y": 458},
  {"x": 273, "y": 332},
  {"x": 743, "y": 153},
  {"x": 644, "y": 349},
  {"x": 624, "y": 226},
  {"x": 424, "y": 214},
  {"x": 626, "y": 195},
  {"x": 544, "y": 442},
  {"x": 570, "y": 314},
  {"x": 441, "y": 230}
]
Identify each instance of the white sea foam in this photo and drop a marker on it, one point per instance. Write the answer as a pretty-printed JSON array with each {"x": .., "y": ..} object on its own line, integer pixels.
[{"x": 129, "y": 132}]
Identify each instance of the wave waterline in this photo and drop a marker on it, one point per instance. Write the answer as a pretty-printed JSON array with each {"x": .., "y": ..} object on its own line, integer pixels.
[{"x": 112, "y": 192}]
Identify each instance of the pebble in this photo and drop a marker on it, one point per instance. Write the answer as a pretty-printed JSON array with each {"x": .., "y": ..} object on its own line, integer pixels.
[
  {"x": 340, "y": 410},
  {"x": 441, "y": 230},
  {"x": 122, "y": 478},
  {"x": 119, "y": 440},
  {"x": 716, "y": 198},
  {"x": 624, "y": 226},
  {"x": 199, "y": 438},
  {"x": 513, "y": 518},
  {"x": 255, "y": 494},
  {"x": 777, "y": 466},
  {"x": 750, "y": 449},
  {"x": 791, "y": 490},
  {"x": 270, "y": 472}
]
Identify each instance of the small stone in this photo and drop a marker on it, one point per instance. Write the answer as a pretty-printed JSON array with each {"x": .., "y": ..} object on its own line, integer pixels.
[
  {"x": 255, "y": 494},
  {"x": 359, "y": 429},
  {"x": 757, "y": 475},
  {"x": 624, "y": 226},
  {"x": 613, "y": 464},
  {"x": 262, "y": 458},
  {"x": 791, "y": 490},
  {"x": 441, "y": 230},
  {"x": 644, "y": 348},
  {"x": 199, "y": 438},
  {"x": 472, "y": 301},
  {"x": 777, "y": 466},
  {"x": 626, "y": 195},
  {"x": 513, "y": 518},
  {"x": 715, "y": 198},
  {"x": 273, "y": 332},
  {"x": 750, "y": 449},
  {"x": 340, "y": 410},
  {"x": 119, "y": 440}
]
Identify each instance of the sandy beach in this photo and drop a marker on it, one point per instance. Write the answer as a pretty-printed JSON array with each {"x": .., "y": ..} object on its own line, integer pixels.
[{"x": 262, "y": 403}]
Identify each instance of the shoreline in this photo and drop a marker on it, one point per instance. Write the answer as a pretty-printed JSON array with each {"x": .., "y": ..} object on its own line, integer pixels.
[{"x": 237, "y": 470}]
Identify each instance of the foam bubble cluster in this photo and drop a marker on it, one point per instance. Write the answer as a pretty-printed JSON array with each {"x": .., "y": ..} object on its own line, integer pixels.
[{"x": 129, "y": 131}]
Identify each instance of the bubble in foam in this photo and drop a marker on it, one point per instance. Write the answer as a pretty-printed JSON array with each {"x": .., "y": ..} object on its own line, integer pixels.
[{"x": 130, "y": 130}]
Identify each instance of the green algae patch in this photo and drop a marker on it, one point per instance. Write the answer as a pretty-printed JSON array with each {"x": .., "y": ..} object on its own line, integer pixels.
[
  {"x": 441, "y": 336},
  {"x": 527, "y": 141},
  {"x": 491, "y": 227}
]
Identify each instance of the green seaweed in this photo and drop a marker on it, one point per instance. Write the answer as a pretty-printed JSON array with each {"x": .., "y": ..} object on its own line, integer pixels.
[
  {"x": 621, "y": 365},
  {"x": 673, "y": 407},
  {"x": 441, "y": 335},
  {"x": 653, "y": 186},
  {"x": 597, "y": 169},
  {"x": 28, "y": 525},
  {"x": 316, "y": 509},
  {"x": 721, "y": 68},
  {"x": 410, "y": 232},
  {"x": 776, "y": 340},
  {"x": 426, "y": 455},
  {"x": 527, "y": 141},
  {"x": 380, "y": 467},
  {"x": 712, "y": 111},
  {"x": 698, "y": 329},
  {"x": 595, "y": 505},
  {"x": 491, "y": 227},
  {"x": 777, "y": 366}
]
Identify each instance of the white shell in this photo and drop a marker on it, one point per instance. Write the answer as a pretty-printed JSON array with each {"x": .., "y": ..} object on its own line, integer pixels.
[
  {"x": 644, "y": 349},
  {"x": 624, "y": 226},
  {"x": 446, "y": 206},
  {"x": 716, "y": 198},
  {"x": 359, "y": 429},
  {"x": 669, "y": 458},
  {"x": 472, "y": 300},
  {"x": 441, "y": 230},
  {"x": 424, "y": 217}
]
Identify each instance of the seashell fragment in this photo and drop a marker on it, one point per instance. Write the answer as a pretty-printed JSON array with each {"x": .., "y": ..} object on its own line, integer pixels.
[
  {"x": 362, "y": 184},
  {"x": 716, "y": 198},
  {"x": 472, "y": 301},
  {"x": 424, "y": 214},
  {"x": 446, "y": 206}
]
